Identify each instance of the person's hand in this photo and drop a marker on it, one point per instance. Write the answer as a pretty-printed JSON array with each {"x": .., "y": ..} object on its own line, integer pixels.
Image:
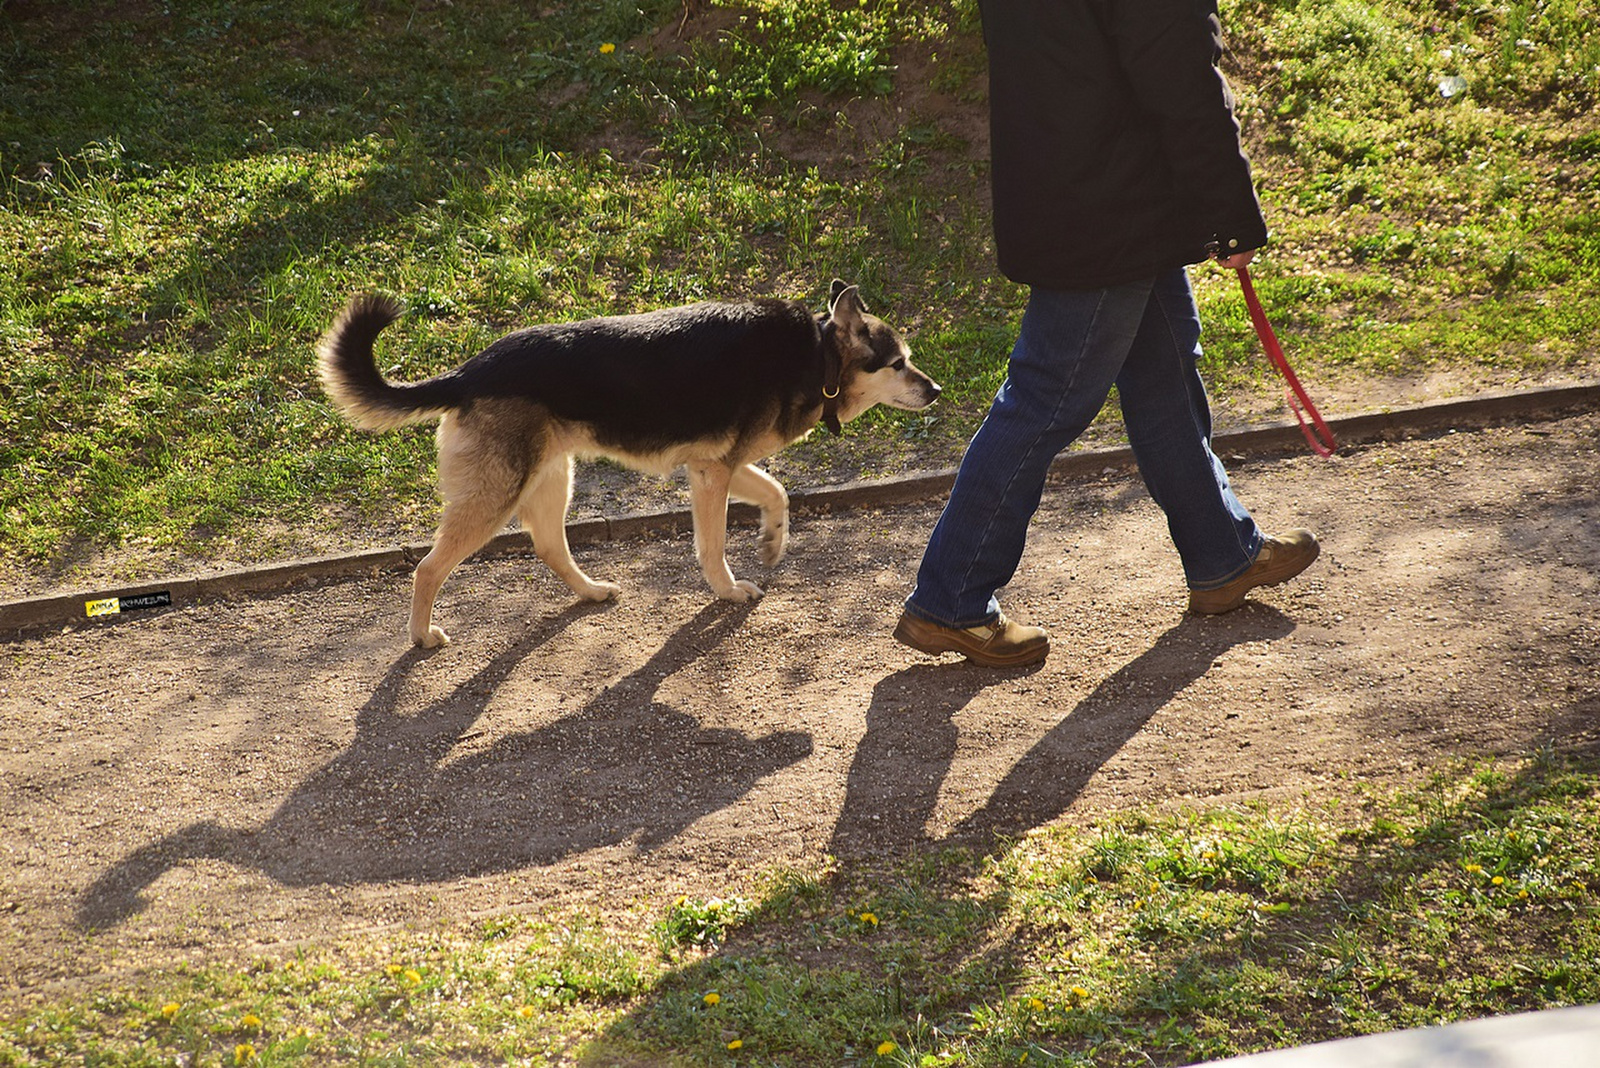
[{"x": 1237, "y": 260}]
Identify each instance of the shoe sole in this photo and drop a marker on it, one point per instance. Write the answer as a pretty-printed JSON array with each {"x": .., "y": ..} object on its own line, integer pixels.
[
  {"x": 902, "y": 634},
  {"x": 1200, "y": 609}
]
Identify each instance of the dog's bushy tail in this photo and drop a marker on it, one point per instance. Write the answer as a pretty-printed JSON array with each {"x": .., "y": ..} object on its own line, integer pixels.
[{"x": 350, "y": 375}]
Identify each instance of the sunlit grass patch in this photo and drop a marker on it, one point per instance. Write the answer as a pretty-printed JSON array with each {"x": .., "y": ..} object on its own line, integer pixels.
[{"x": 701, "y": 924}]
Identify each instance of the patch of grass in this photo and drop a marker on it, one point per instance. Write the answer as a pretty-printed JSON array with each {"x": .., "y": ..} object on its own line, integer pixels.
[
  {"x": 1149, "y": 937},
  {"x": 186, "y": 201},
  {"x": 1417, "y": 168},
  {"x": 702, "y": 924}
]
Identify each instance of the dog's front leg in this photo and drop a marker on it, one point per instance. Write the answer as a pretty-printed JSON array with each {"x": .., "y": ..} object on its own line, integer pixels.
[
  {"x": 750, "y": 483},
  {"x": 708, "y": 502}
]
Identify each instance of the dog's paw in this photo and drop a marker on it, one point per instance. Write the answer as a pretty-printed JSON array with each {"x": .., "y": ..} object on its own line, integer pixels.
[
  {"x": 434, "y": 639},
  {"x": 774, "y": 543},
  {"x": 599, "y": 591},
  {"x": 741, "y": 592}
]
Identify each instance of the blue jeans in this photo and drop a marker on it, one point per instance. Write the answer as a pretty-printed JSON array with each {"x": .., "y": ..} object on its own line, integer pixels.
[{"x": 1073, "y": 345}]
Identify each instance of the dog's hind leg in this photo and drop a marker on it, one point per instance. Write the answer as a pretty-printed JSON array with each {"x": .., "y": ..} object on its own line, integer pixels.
[
  {"x": 466, "y": 526},
  {"x": 708, "y": 502},
  {"x": 750, "y": 483},
  {"x": 543, "y": 511},
  {"x": 480, "y": 480}
]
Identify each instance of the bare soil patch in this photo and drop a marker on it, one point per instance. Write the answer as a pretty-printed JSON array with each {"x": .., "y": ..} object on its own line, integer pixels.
[{"x": 236, "y": 778}]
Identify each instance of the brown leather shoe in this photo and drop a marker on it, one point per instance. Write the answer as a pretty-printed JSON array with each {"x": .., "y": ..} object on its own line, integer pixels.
[
  {"x": 998, "y": 644},
  {"x": 1280, "y": 559}
]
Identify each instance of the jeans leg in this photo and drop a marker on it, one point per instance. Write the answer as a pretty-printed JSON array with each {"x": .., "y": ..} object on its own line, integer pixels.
[
  {"x": 1069, "y": 351},
  {"x": 1169, "y": 427}
]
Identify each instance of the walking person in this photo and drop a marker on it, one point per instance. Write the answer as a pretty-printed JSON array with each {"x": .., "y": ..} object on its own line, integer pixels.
[{"x": 1116, "y": 163}]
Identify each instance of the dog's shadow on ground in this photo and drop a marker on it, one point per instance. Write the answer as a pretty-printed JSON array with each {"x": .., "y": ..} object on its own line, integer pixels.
[
  {"x": 911, "y": 728},
  {"x": 397, "y": 806}
]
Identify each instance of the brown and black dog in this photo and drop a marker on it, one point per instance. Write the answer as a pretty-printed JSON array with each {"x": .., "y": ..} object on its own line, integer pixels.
[{"x": 711, "y": 387}]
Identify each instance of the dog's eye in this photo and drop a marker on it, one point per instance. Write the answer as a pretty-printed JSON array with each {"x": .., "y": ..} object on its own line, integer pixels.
[{"x": 899, "y": 365}]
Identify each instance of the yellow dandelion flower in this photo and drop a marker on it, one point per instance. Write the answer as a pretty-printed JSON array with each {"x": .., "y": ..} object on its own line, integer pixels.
[
  {"x": 413, "y": 976},
  {"x": 886, "y": 1047},
  {"x": 244, "y": 1053},
  {"x": 1522, "y": 894},
  {"x": 250, "y": 1020},
  {"x": 170, "y": 1009},
  {"x": 712, "y": 998},
  {"x": 526, "y": 1012},
  {"x": 1079, "y": 992},
  {"x": 737, "y": 1043},
  {"x": 1498, "y": 880},
  {"x": 392, "y": 969},
  {"x": 1474, "y": 868},
  {"x": 607, "y": 48},
  {"x": 1035, "y": 1004},
  {"x": 869, "y": 918},
  {"x": 683, "y": 900}
]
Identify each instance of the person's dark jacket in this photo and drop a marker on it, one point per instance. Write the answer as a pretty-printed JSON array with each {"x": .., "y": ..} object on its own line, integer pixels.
[{"x": 1115, "y": 149}]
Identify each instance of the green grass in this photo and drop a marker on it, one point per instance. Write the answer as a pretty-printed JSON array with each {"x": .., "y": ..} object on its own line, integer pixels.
[
  {"x": 188, "y": 194},
  {"x": 1145, "y": 938}
]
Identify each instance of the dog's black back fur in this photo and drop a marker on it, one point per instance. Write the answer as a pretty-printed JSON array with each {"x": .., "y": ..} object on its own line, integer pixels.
[
  {"x": 674, "y": 375},
  {"x": 667, "y": 376}
]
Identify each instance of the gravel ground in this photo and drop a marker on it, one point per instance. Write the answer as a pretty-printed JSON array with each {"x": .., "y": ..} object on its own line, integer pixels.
[{"x": 240, "y": 776}]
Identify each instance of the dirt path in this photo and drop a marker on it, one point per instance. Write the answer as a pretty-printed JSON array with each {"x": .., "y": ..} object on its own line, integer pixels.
[{"x": 234, "y": 776}]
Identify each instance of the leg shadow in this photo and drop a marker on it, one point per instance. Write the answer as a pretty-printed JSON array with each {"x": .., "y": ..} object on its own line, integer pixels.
[
  {"x": 909, "y": 729},
  {"x": 1046, "y": 781}
]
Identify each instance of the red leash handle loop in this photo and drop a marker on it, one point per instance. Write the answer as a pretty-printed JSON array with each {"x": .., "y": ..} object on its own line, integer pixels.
[{"x": 1316, "y": 431}]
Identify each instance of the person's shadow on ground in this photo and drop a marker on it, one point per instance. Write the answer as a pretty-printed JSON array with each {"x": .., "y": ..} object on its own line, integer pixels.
[
  {"x": 396, "y": 806},
  {"x": 910, "y": 729}
]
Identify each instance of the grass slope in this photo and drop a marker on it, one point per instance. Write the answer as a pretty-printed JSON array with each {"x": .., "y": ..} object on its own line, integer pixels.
[{"x": 189, "y": 192}]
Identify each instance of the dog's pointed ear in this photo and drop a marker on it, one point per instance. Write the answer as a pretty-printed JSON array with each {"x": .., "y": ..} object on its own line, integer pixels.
[
  {"x": 845, "y": 308},
  {"x": 839, "y": 286}
]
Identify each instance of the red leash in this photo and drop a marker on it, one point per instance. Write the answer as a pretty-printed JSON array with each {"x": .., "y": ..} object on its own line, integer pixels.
[{"x": 1315, "y": 430}]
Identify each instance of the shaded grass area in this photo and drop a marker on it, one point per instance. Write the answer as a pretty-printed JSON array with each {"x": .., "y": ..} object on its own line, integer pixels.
[
  {"x": 188, "y": 193},
  {"x": 1145, "y": 938}
]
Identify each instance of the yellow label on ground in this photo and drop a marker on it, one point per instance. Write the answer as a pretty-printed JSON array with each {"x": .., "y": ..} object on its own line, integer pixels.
[{"x": 111, "y": 606}]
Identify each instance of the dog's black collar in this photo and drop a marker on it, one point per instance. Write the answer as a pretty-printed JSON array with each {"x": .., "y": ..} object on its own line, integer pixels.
[{"x": 831, "y": 370}]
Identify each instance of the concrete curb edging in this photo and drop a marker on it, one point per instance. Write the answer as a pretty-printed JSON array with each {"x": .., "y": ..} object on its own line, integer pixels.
[{"x": 20, "y": 616}]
